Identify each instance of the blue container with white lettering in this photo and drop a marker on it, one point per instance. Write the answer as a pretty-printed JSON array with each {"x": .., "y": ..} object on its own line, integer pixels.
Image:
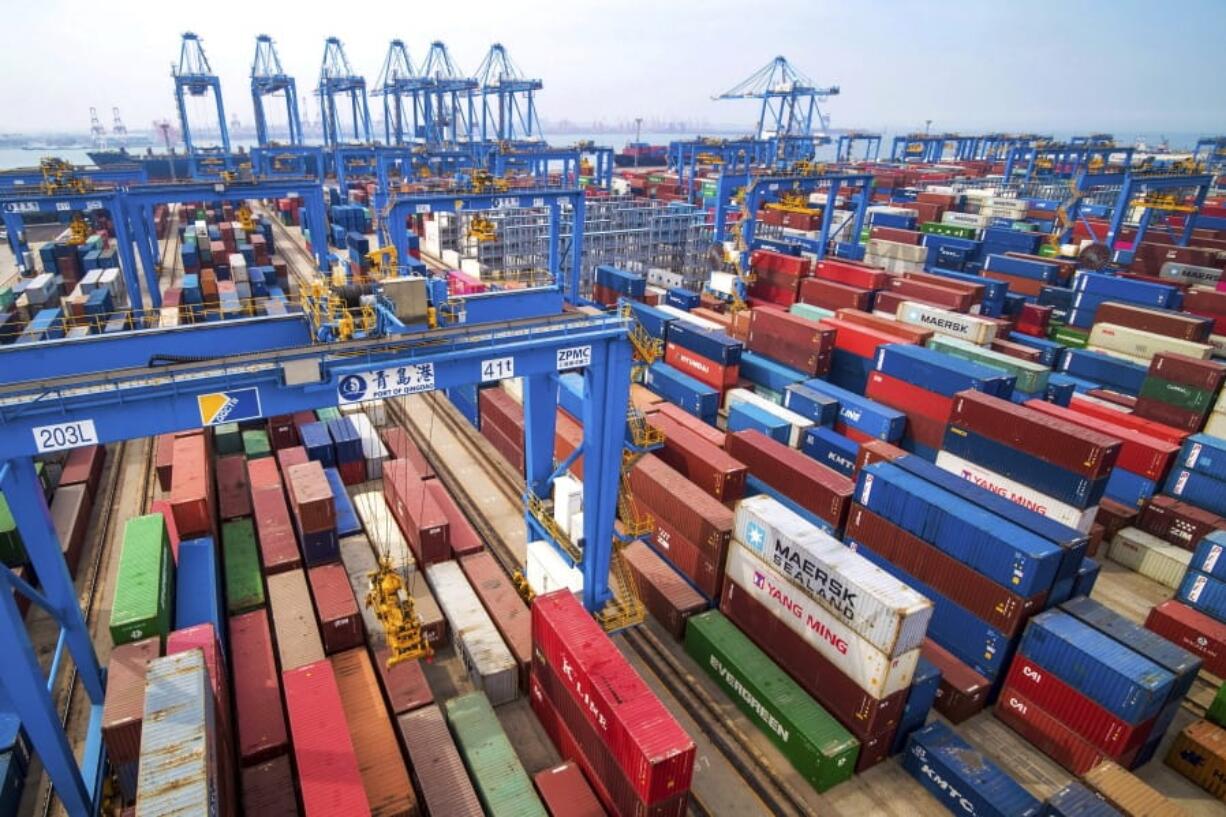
[
  {"x": 1203, "y": 592},
  {"x": 1204, "y": 454},
  {"x": 897, "y": 221},
  {"x": 937, "y": 372},
  {"x": 714, "y": 345},
  {"x": 198, "y": 587},
  {"x": 961, "y": 778},
  {"x": 347, "y": 522},
  {"x": 1049, "y": 350},
  {"x": 831, "y": 449},
  {"x": 925, "y": 682},
  {"x": 1087, "y": 577},
  {"x": 748, "y": 415},
  {"x": 762, "y": 371},
  {"x": 1056, "y": 482},
  {"x": 1004, "y": 552},
  {"x": 859, "y": 412},
  {"x": 1209, "y": 553},
  {"x": 811, "y": 404},
  {"x": 1118, "y": 678},
  {"x": 971, "y": 640},
  {"x": 1128, "y": 488},
  {"x": 681, "y": 298},
  {"x": 654, "y": 321},
  {"x": 1075, "y": 800},
  {"x": 1023, "y": 268},
  {"x": 1199, "y": 489},
  {"x": 682, "y": 390},
  {"x": 318, "y": 443},
  {"x": 1126, "y": 289}
]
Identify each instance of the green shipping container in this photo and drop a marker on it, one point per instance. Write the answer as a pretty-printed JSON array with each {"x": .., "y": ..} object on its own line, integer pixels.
[
  {"x": 227, "y": 439},
  {"x": 145, "y": 584},
  {"x": 1177, "y": 394},
  {"x": 1031, "y": 377},
  {"x": 255, "y": 444},
  {"x": 1217, "y": 709},
  {"x": 329, "y": 413},
  {"x": 813, "y": 313},
  {"x": 501, "y": 782},
  {"x": 950, "y": 230},
  {"x": 12, "y": 550},
  {"x": 241, "y": 560},
  {"x": 1069, "y": 336},
  {"x": 810, "y": 738}
]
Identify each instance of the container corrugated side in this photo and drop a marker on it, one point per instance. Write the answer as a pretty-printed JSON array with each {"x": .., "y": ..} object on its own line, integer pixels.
[
  {"x": 382, "y": 530},
  {"x": 1128, "y": 793},
  {"x": 359, "y": 562},
  {"x": 873, "y": 671},
  {"x": 963, "y": 779},
  {"x": 260, "y": 716},
  {"x": 498, "y": 776},
  {"x": 268, "y": 789},
  {"x": 144, "y": 587},
  {"x": 241, "y": 560},
  {"x": 566, "y": 793},
  {"x": 799, "y": 423},
  {"x": 817, "y": 746},
  {"x": 1150, "y": 556},
  {"x": 504, "y": 605},
  {"x": 490, "y": 664},
  {"x": 179, "y": 744},
  {"x": 123, "y": 708},
  {"x": 1199, "y": 754},
  {"x": 328, "y": 775},
  {"x": 445, "y": 787},
  {"x": 886, "y": 612},
  {"x": 293, "y": 619}
]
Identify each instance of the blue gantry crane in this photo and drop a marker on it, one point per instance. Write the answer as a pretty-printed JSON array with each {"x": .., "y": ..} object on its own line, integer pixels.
[
  {"x": 195, "y": 78},
  {"x": 790, "y": 100},
  {"x": 449, "y": 110},
  {"x": 403, "y": 92},
  {"x": 508, "y": 99},
  {"x": 337, "y": 81},
  {"x": 268, "y": 78}
]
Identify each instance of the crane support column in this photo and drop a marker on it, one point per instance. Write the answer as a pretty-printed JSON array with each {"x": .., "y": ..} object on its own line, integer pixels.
[{"x": 540, "y": 422}]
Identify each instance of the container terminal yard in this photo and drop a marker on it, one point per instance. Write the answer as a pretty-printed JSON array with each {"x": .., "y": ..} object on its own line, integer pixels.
[{"x": 441, "y": 470}]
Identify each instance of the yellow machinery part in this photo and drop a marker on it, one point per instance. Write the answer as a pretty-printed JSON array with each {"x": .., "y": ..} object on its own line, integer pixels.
[
  {"x": 481, "y": 228},
  {"x": 395, "y": 610},
  {"x": 78, "y": 230}
]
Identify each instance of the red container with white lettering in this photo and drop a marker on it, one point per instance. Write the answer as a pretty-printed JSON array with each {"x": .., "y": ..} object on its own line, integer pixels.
[
  {"x": 1191, "y": 629},
  {"x": 695, "y": 514},
  {"x": 1047, "y": 733},
  {"x": 702, "y": 369}
]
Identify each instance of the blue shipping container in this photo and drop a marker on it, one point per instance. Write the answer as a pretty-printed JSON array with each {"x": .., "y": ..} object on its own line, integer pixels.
[
  {"x": 682, "y": 298},
  {"x": 1207, "y": 558},
  {"x": 682, "y": 390},
  {"x": 810, "y": 403},
  {"x": 1204, "y": 454},
  {"x": 318, "y": 443},
  {"x": 1076, "y": 800},
  {"x": 920, "y": 697},
  {"x": 198, "y": 587},
  {"x": 963, "y": 779},
  {"x": 747, "y": 415},
  {"x": 1046, "y": 478},
  {"x": 762, "y": 371},
  {"x": 711, "y": 344},
  {"x": 859, "y": 412},
  {"x": 937, "y": 372},
  {"x": 347, "y": 522},
  {"x": 1087, "y": 577},
  {"x": 831, "y": 449},
  {"x": 1199, "y": 489},
  {"x": 346, "y": 442}
]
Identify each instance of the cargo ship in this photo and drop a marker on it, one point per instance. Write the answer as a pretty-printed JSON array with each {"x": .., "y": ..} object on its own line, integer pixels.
[
  {"x": 641, "y": 154},
  {"x": 158, "y": 165}
]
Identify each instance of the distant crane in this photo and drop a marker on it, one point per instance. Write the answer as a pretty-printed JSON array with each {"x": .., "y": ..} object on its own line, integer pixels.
[
  {"x": 508, "y": 101},
  {"x": 399, "y": 82},
  {"x": 449, "y": 111},
  {"x": 269, "y": 79},
  {"x": 97, "y": 133},
  {"x": 789, "y": 99},
  {"x": 118, "y": 129},
  {"x": 336, "y": 78},
  {"x": 194, "y": 77}
]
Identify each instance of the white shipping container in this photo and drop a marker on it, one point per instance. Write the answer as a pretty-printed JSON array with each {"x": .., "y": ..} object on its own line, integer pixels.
[
  {"x": 665, "y": 278},
  {"x": 548, "y": 571},
  {"x": 178, "y": 745},
  {"x": 1218, "y": 342},
  {"x": 1016, "y": 492},
  {"x": 359, "y": 562},
  {"x": 871, "y": 669},
  {"x": 567, "y": 501},
  {"x": 1216, "y": 425},
  {"x": 111, "y": 280},
  {"x": 888, "y": 613},
  {"x": 977, "y": 330},
  {"x": 238, "y": 267},
  {"x": 681, "y": 314},
  {"x": 486, "y": 657},
  {"x": 451, "y": 258},
  {"x": 1189, "y": 273},
  {"x": 1137, "y": 343},
  {"x": 799, "y": 424},
  {"x": 168, "y": 317},
  {"x": 373, "y": 449},
  {"x": 381, "y": 527},
  {"x": 724, "y": 282},
  {"x": 1150, "y": 556},
  {"x": 90, "y": 282},
  {"x": 913, "y": 253},
  {"x": 514, "y": 386}
]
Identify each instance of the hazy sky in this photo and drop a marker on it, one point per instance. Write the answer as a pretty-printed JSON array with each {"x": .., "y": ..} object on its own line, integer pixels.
[{"x": 1124, "y": 66}]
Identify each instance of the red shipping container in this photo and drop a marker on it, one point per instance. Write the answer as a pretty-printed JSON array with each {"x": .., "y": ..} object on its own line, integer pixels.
[
  {"x": 504, "y": 605},
  {"x": 1139, "y": 453},
  {"x": 421, "y": 520},
  {"x": 191, "y": 494},
  {"x": 172, "y": 533},
  {"x": 257, "y": 690},
  {"x": 1069, "y": 446},
  {"x": 568, "y": 435},
  {"x": 164, "y": 457},
  {"x": 1179, "y": 523},
  {"x": 866, "y": 717},
  {"x": 275, "y": 532},
  {"x": 860, "y": 341},
  {"x": 1046, "y": 733},
  {"x": 703, "y": 463},
  {"x": 1016, "y": 350},
  {"x": 703, "y": 567},
  {"x": 336, "y": 610},
  {"x": 1191, "y": 629},
  {"x": 328, "y": 775},
  {"x": 771, "y": 261},
  {"x": 612, "y": 787},
  {"x": 512, "y": 452},
  {"x": 310, "y": 497},
  {"x": 123, "y": 708},
  {"x": 810, "y": 484},
  {"x": 666, "y": 416},
  {"x": 902, "y": 332},
  {"x": 500, "y": 408},
  {"x": 874, "y": 450},
  {"x": 463, "y": 536},
  {"x": 913, "y": 290},
  {"x": 268, "y": 789},
  {"x": 1159, "y": 322},
  {"x": 833, "y": 295},
  {"x": 352, "y": 473},
  {"x": 962, "y": 692},
  {"x": 851, "y": 273},
  {"x": 705, "y": 371},
  {"x": 289, "y": 457},
  {"x": 644, "y": 739},
  {"x": 908, "y": 398},
  {"x": 84, "y": 467},
  {"x": 973, "y": 290},
  {"x": 794, "y": 341},
  {"x": 282, "y": 431},
  {"x": 1189, "y": 371},
  {"x": 1121, "y": 418},
  {"x": 911, "y": 237},
  {"x": 263, "y": 473},
  {"x": 233, "y": 487},
  {"x": 405, "y": 687},
  {"x": 668, "y": 597},
  {"x": 695, "y": 514},
  {"x": 566, "y": 793},
  {"x": 1084, "y": 716}
]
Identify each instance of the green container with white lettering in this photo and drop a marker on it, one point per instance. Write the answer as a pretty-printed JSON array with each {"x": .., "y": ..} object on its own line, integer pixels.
[{"x": 812, "y": 740}]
